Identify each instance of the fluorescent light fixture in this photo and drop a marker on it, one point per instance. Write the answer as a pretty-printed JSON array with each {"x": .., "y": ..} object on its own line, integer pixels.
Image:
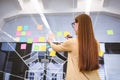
[
  {"x": 39, "y": 10},
  {"x": 88, "y": 6}
]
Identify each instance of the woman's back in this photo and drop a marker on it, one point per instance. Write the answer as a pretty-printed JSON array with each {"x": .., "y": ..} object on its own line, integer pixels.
[{"x": 73, "y": 72}]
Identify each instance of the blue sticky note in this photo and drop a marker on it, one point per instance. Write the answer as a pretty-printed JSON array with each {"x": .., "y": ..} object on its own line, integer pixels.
[
  {"x": 22, "y": 39},
  {"x": 25, "y": 28}
]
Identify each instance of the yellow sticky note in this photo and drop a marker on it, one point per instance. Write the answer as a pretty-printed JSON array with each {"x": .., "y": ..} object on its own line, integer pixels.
[
  {"x": 43, "y": 48},
  {"x": 40, "y": 27},
  {"x": 41, "y": 39},
  {"x": 19, "y": 28},
  {"x": 101, "y": 53},
  {"x": 52, "y": 53},
  {"x": 66, "y": 33}
]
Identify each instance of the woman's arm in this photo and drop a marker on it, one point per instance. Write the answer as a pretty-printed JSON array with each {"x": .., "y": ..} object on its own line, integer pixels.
[{"x": 66, "y": 46}]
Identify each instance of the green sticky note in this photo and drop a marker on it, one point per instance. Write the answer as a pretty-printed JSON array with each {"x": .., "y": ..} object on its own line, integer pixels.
[
  {"x": 59, "y": 34},
  {"x": 30, "y": 40},
  {"x": 110, "y": 32},
  {"x": 36, "y": 48},
  {"x": 23, "y": 33}
]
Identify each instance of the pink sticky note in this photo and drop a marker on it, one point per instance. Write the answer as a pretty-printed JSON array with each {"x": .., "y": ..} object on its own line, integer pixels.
[
  {"x": 18, "y": 33},
  {"x": 35, "y": 40},
  {"x": 23, "y": 46},
  {"x": 29, "y": 33}
]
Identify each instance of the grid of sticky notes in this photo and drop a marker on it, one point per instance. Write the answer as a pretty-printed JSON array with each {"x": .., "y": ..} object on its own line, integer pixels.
[
  {"x": 39, "y": 47},
  {"x": 23, "y": 34}
]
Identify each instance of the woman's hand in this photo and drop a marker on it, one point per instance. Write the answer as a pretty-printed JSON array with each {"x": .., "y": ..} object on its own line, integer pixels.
[
  {"x": 49, "y": 40},
  {"x": 68, "y": 36}
]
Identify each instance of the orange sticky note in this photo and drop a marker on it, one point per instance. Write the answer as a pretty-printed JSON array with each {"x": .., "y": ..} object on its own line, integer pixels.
[
  {"x": 41, "y": 39},
  {"x": 52, "y": 53},
  {"x": 43, "y": 48},
  {"x": 19, "y": 28},
  {"x": 51, "y": 35},
  {"x": 66, "y": 33},
  {"x": 17, "y": 39},
  {"x": 40, "y": 27}
]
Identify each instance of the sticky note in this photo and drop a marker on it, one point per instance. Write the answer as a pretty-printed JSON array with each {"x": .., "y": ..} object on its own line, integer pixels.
[
  {"x": 43, "y": 48},
  {"x": 48, "y": 45},
  {"x": 19, "y": 28},
  {"x": 23, "y": 46},
  {"x": 23, "y": 33},
  {"x": 36, "y": 47},
  {"x": 35, "y": 39},
  {"x": 25, "y": 28},
  {"x": 29, "y": 40},
  {"x": 39, "y": 27},
  {"x": 52, "y": 53},
  {"x": 17, "y": 39},
  {"x": 18, "y": 33},
  {"x": 28, "y": 33},
  {"x": 59, "y": 34},
  {"x": 66, "y": 33},
  {"x": 110, "y": 32},
  {"x": 101, "y": 53},
  {"x": 41, "y": 39},
  {"x": 51, "y": 35},
  {"x": 22, "y": 39}
]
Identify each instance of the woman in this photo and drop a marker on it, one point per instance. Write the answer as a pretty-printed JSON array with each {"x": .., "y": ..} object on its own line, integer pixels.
[{"x": 82, "y": 51}]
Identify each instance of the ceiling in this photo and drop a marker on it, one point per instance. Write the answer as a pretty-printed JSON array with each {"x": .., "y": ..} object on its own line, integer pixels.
[{"x": 9, "y": 8}]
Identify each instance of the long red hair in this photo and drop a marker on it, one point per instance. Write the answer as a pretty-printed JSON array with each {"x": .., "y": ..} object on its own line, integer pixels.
[{"x": 88, "y": 47}]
